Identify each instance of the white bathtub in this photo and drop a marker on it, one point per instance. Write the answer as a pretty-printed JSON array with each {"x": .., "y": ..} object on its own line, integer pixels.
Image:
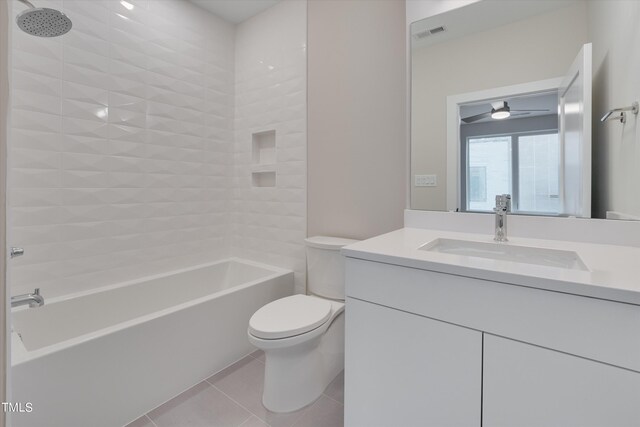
[{"x": 105, "y": 357}]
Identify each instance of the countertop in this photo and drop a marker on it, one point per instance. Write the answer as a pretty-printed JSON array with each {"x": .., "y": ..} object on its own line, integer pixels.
[{"x": 614, "y": 271}]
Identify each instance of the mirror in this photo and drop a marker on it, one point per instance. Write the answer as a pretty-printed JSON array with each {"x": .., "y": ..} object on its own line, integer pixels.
[{"x": 507, "y": 97}]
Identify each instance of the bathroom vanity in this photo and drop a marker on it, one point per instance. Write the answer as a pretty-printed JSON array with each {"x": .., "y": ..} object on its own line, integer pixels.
[
  {"x": 464, "y": 337},
  {"x": 445, "y": 327}
]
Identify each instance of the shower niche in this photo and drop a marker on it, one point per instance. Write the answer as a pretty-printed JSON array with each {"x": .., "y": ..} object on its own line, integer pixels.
[{"x": 263, "y": 153}]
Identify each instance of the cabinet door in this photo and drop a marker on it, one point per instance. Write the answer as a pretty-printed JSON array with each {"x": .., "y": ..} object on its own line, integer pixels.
[
  {"x": 406, "y": 370},
  {"x": 525, "y": 385}
]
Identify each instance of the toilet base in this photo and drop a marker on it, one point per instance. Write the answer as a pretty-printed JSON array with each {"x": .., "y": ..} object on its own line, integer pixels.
[{"x": 296, "y": 376}]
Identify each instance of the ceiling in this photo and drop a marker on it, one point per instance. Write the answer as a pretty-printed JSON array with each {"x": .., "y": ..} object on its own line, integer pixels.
[
  {"x": 480, "y": 16},
  {"x": 235, "y": 11}
]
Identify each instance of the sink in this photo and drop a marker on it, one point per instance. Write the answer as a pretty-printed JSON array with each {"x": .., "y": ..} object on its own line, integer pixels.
[{"x": 507, "y": 252}]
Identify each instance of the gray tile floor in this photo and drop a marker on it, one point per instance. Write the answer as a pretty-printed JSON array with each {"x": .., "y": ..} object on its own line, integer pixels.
[{"x": 233, "y": 398}]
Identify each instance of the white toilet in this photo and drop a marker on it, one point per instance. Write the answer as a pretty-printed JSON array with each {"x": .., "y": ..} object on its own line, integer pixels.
[{"x": 303, "y": 335}]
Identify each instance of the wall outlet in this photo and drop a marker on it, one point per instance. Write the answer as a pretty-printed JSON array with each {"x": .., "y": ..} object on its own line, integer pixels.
[{"x": 426, "y": 181}]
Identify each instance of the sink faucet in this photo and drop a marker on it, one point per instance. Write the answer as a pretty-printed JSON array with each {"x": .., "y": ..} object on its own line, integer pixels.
[
  {"x": 34, "y": 299},
  {"x": 503, "y": 206}
]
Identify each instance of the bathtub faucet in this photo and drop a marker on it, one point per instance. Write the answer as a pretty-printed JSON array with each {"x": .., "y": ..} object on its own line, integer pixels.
[{"x": 34, "y": 299}]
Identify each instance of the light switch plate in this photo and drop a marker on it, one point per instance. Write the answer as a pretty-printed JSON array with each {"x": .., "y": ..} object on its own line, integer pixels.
[{"x": 426, "y": 181}]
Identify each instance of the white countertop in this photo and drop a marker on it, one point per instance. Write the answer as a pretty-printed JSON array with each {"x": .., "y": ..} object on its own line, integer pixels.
[{"x": 614, "y": 271}]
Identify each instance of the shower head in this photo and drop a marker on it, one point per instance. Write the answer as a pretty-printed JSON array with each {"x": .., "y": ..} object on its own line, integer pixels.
[{"x": 42, "y": 21}]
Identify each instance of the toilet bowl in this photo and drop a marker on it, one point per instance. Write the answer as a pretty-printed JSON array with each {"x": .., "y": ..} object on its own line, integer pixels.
[{"x": 302, "y": 336}]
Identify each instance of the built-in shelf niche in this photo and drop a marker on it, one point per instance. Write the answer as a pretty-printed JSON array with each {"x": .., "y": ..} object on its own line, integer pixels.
[
  {"x": 264, "y": 147},
  {"x": 263, "y": 152},
  {"x": 263, "y": 179}
]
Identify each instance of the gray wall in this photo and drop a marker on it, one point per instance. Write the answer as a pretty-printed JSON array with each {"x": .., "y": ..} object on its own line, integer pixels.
[{"x": 356, "y": 117}]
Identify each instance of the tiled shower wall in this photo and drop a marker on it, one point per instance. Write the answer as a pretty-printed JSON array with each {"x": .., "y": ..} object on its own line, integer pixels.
[
  {"x": 270, "y": 221},
  {"x": 122, "y": 146},
  {"x": 120, "y": 143}
]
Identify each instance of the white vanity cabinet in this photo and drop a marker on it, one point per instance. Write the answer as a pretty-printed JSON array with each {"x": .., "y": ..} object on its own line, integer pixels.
[
  {"x": 408, "y": 370},
  {"x": 427, "y": 348}
]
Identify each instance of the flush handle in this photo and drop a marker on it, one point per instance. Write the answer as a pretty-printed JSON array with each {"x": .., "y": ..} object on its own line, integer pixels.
[{"x": 15, "y": 252}]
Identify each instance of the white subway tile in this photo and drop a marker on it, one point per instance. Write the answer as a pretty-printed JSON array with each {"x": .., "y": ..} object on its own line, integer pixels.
[{"x": 131, "y": 136}]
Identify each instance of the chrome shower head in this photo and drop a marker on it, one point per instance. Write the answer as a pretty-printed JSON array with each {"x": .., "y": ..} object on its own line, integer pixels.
[{"x": 42, "y": 21}]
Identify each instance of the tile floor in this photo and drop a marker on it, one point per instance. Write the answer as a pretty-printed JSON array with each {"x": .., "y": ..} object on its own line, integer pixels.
[{"x": 233, "y": 398}]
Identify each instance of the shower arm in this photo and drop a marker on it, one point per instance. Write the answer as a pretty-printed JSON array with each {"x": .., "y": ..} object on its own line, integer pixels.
[{"x": 28, "y": 3}]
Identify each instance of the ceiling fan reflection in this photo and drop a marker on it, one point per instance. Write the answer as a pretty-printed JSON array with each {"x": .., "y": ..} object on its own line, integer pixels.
[{"x": 499, "y": 110}]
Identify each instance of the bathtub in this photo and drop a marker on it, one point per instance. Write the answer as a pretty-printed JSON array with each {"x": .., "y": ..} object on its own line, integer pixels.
[{"x": 105, "y": 357}]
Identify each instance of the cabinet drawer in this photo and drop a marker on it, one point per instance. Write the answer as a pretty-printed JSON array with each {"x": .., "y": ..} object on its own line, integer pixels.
[{"x": 597, "y": 329}]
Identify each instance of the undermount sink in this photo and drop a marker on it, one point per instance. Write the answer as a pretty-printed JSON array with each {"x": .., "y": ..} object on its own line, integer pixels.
[{"x": 508, "y": 252}]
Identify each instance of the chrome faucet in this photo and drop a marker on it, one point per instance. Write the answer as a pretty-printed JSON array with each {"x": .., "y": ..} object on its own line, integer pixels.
[
  {"x": 34, "y": 299},
  {"x": 503, "y": 206}
]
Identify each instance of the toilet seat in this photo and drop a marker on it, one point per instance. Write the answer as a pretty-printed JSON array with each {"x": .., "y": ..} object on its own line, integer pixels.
[{"x": 289, "y": 316}]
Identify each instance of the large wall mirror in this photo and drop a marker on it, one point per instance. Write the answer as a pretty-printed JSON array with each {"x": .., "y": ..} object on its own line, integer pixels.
[{"x": 510, "y": 96}]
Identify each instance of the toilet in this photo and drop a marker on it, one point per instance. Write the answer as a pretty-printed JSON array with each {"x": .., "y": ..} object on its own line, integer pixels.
[{"x": 303, "y": 335}]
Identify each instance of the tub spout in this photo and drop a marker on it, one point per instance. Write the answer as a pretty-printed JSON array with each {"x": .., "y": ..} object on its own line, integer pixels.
[{"x": 34, "y": 299}]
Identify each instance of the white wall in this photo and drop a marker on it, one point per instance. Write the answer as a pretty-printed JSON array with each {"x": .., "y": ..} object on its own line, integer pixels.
[
  {"x": 357, "y": 117},
  {"x": 538, "y": 48},
  {"x": 613, "y": 28},
  {"x": 269, "y": 223}
]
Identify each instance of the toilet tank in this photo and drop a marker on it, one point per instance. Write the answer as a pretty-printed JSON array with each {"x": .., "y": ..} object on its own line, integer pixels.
[{"x": 325, "y": 266}]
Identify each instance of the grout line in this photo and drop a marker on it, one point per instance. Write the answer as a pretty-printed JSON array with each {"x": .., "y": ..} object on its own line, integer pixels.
[
  {"x": 247, "y": 420},
  {"x": 303, "y": 412},
  {"x": 189, "y": 388},
  {"x": 257, "y": 358},
  {"x": 234, "y": 401},
  {"x": 237, "y": 403},
  {"x": 152, "y": 422},
  {"x": 329, "y": 397}
]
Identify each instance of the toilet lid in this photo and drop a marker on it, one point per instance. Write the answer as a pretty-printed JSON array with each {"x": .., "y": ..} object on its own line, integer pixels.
[{"x": 289, "y": 316}]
